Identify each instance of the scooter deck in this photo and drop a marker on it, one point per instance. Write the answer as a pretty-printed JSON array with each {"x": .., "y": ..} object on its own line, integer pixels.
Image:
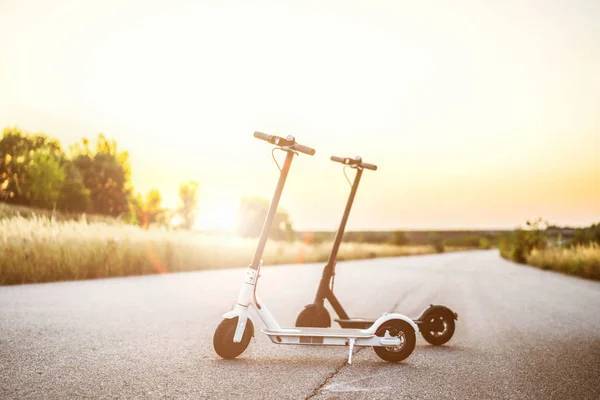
[
  {"x": 329, "y": 337},
  {"x": 356, "y": 323},
  {"x": 319, "y": 332}
]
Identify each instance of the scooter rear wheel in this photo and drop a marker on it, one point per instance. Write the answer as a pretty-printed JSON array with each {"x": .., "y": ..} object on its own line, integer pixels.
[
  {"x": 438, "y": 328},
  {"x": 223, "y": 338},
  {"x": 400, "y": 329},
  {"x": 313, "y": 317}
]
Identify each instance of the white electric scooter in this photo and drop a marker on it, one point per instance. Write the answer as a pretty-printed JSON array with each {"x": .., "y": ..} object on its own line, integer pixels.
[{"x": 392, "y": 336}]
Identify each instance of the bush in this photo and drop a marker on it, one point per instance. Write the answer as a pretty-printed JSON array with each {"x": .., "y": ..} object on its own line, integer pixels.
[
  {"x": 522, "y": 242},
  {"x": 485, "y": 244},
  {"x": 436, "y": 241},
  {"x": 399, "y": 238}
]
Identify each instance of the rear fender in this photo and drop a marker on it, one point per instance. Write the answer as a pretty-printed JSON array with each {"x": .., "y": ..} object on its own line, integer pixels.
[
  {"x": 436, "y": 308},
  {"x": 390, "y": 316}
]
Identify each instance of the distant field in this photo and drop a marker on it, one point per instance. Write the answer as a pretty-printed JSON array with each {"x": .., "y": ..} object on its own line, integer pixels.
[
  {"x": 460, "y": 238},
  {"x": 42, "y": 249}
]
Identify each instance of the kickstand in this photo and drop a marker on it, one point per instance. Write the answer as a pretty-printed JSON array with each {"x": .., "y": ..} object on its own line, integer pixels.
[{"x": 350, "y": 351}]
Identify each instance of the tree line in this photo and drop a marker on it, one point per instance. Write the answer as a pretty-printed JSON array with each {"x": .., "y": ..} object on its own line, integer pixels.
[{"x": 95, "y": 178}]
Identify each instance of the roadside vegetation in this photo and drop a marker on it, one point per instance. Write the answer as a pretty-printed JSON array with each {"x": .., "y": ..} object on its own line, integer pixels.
[
  {"x": 43, "y": 249},
  {"x": 580, "y": 260},
  {"x": 566, "y": 250}
]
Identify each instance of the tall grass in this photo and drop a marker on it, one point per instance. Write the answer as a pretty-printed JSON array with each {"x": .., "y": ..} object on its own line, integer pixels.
[
  {"x": 13, "y": 210},
  {"x": 580, "y": 260},
  {"x": 42, "y": 249}
]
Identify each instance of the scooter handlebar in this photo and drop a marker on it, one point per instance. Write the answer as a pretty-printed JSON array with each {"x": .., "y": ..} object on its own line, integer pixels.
[
  {"x": 372, "y": 167},
  {"x": 263, "y": 136},
  {"x": 354, "y": 162},
  {"x": 289, "y": 142},
  {"x": 304, "y": 149}
]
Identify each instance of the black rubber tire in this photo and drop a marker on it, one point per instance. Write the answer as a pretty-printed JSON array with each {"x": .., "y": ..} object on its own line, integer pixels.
[
  {"x": 430, "y": 328},
  {"x": 396, "y": 327},
  {"x": 312, "y": 317},
  {"x": 223, "y": 338}
]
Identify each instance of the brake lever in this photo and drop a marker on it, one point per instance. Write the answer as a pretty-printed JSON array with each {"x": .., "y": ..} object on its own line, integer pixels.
[
  {"x": 346, "y": 175},
  {"x": 286, "y": 149},
  {"x": 289, "y": 149}
]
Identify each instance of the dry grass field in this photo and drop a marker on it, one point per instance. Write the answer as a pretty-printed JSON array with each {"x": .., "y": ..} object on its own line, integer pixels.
[
  {"x": 581, "y": 260},
  {"x": 42, "y": 249}
]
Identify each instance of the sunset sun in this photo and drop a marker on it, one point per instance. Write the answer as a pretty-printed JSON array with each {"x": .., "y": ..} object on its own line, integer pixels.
[{"x": 218, "y": 212}]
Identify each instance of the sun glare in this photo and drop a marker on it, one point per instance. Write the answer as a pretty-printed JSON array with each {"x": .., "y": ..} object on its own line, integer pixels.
[{"x": 217, "y": 212}]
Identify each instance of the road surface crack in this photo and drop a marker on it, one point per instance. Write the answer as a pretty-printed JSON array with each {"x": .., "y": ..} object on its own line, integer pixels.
[
  {"x": 316, "y": 391},
  {"x": 332, "y": 375}
]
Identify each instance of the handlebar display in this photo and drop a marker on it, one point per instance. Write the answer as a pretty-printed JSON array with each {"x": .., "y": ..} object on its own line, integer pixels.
[
  {"x": 289, "y": 142},
  {"x": 354, "y": 162}
]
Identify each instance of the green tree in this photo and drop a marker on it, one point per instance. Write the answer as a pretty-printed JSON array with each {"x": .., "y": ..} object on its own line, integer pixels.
[
  {"x": 74, "y": 196},
  {"x": 16, "y": 149},
  {"x": 188, "y": 195},
  {"x": 252, "y": 214},
  {"x": 587, "y": 235},
  {"x": 148, "y": 210},
  {"x": 106, "y": 174},
  {"x": 282, "y": 228},
  {"x": 45, "y": 176}
]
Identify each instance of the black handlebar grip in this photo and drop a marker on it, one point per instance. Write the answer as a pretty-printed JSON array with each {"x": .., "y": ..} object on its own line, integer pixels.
[
  {"x": 262, "y": 136},
  {"x": 354, "y": 163},
  {"x": 304, "y": 149},
  {"x": 372, "y": 167}
]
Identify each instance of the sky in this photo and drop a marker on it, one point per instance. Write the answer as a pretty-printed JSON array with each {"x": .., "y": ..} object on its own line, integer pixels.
[{"x": 479, "y": 114}]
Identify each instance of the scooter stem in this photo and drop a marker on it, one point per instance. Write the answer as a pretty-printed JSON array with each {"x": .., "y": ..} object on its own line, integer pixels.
[
  {"x": 340, "y": 233},
  {"x": 264, "y": 235}
]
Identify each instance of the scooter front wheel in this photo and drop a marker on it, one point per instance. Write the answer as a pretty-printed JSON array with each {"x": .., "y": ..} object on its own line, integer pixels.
[
  {"x": 223, "y": 338},
  {"x": 403, "y": 331},
  {"x": 313, "y": 317},
  {"x": 438, "y": 328}
]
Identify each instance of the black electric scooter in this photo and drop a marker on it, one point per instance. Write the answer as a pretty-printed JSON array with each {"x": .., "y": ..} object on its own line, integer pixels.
[{"x": 436, "y": 323}]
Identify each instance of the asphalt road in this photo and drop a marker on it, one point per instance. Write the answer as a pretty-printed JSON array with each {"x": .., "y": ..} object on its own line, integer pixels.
[{"x": 521, "y": 333}]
